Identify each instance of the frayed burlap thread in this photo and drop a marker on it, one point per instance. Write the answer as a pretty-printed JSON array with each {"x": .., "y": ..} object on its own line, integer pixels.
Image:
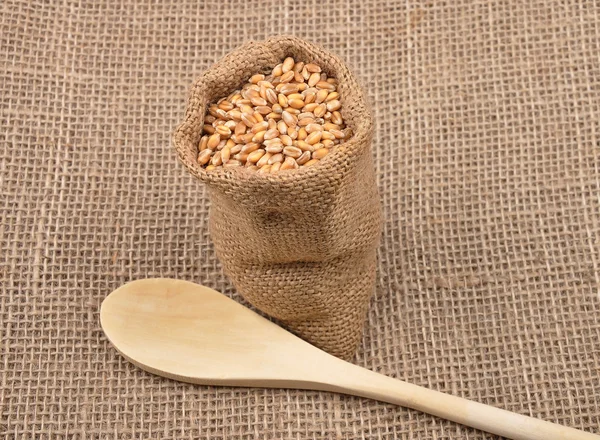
[{"x": 299, "y": 245}]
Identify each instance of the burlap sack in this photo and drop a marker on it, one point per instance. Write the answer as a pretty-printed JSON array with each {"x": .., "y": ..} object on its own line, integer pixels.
[{"x": 298, "y": 245}]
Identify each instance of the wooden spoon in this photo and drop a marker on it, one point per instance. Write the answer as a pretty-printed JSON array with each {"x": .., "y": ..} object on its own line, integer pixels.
[{"x": 191, "y": 333}]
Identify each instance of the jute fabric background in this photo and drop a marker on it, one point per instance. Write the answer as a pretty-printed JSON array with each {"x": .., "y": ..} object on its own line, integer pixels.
[{"x": 487, "y": 156}]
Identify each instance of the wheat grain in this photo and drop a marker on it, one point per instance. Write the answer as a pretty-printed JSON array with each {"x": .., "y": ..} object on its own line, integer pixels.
[{"x": 278, "y": 121}]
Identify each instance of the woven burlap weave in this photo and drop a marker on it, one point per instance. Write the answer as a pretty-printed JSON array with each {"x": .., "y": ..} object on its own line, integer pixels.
[
  {"x": 487, "y": 156},
  {"x": 300, "y": 246}
]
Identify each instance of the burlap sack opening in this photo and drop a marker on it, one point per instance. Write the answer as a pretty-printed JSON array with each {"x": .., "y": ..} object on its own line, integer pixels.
[{"x": 301, "y": 245}]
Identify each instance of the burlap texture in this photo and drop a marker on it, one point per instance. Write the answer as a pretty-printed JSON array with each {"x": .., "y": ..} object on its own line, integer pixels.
[
  {"x": 298, "y": 245},
  {"x": 487, "y": 161}
]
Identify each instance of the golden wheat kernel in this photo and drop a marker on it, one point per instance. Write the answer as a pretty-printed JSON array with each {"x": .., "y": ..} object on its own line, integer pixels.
[
  {"x": 240, "y": 128},
  {"x": 231, "y": 163},
  {"x": 331, "y": 96},
  {"x": 258, "y": 101},
  {"x": 303, "y": 158},
  {"x": 263, "y": 109},
  {"x": 309, "y": 97},
  {"x": 305, "y": 115},
  {"x": 312, "y": 68},
  {"x": 298, "y": 66},
  {"x": 225, "y": 154},
  {"x": 333, "y": 105},
  {"x": 203, "y": 144},
  {"x": 336, "y": 118},
  {"x": 314, "y": 79},
  {"x": 287, "y": 77},
  {"x": 226, "y": 106},
  {"x": 324, "y": 85},
  {"x": 328, "y": 126},
  {"x": 264, "y": 159},
  {"x": 223, "y": 131},
  {"x": 296, "y": 103},
  {"x": 264, "y": 169},
  {"x": 288, "y": 64},
  {"x": 339, "y": 134},
  {"x": 302, "y": 122},
  {"x": 234, "y": 115},
  {"x": 245, "y": 108},
  {"x": 304, "y": 146},
  {"x": 274, "y": 149},
  {"x": 294, "y": 152},
  {"x": 271, "y": 134},
  {"x": 246, "y": 138},
  {"x": 204, "y": 156},
  {"x": 263, "y": 92},
  {"x": 305, "y": 73},
  {"x": 288, "y": 164},
  {"x": 282, "y": 99},
  {"x": 321, "y": 96},
  {"x": 256, "y": 155},
  {"x": 302, "y": 134},
  {"x": 310, "y": 107},
  {"x": 277, "y": 70},
  {"x": 276, "y": 158},
  {"x": 258, "y": 117},
  {"x": 282, "y": 127},
  {"x": 273, "y": 143},
  {"x": 289, "y": 119},
  {"x": 314, "y": 137},
  {"x": 259, "y": 137},
  {"x": 286, "y": 140},
  {"x": 314, "y": 127},
  {"x": 271, "y": 96},
  {"x": 236, "y": 149},
  {"x": 320, "y": 153},
  {"x": 266, "y": 83},
  {"x": 248, "y": 119},
  {"x": 213, "y": 141},
  {"x": 320, "y": 110},
  {"x": 259, "y": 126},
  {"x": 327, "y": 135},
  {"x": 242, "y": 157},
  {"x": 288, "y": 89},
  {"x": 213, "y": 110},
  {"x": 250, "y": 147},
  {"x": 216, "y": 159}
]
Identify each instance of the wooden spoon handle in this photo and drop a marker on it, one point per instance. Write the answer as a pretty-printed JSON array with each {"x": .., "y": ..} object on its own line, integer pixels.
[{"x": 365, "y": 383}]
